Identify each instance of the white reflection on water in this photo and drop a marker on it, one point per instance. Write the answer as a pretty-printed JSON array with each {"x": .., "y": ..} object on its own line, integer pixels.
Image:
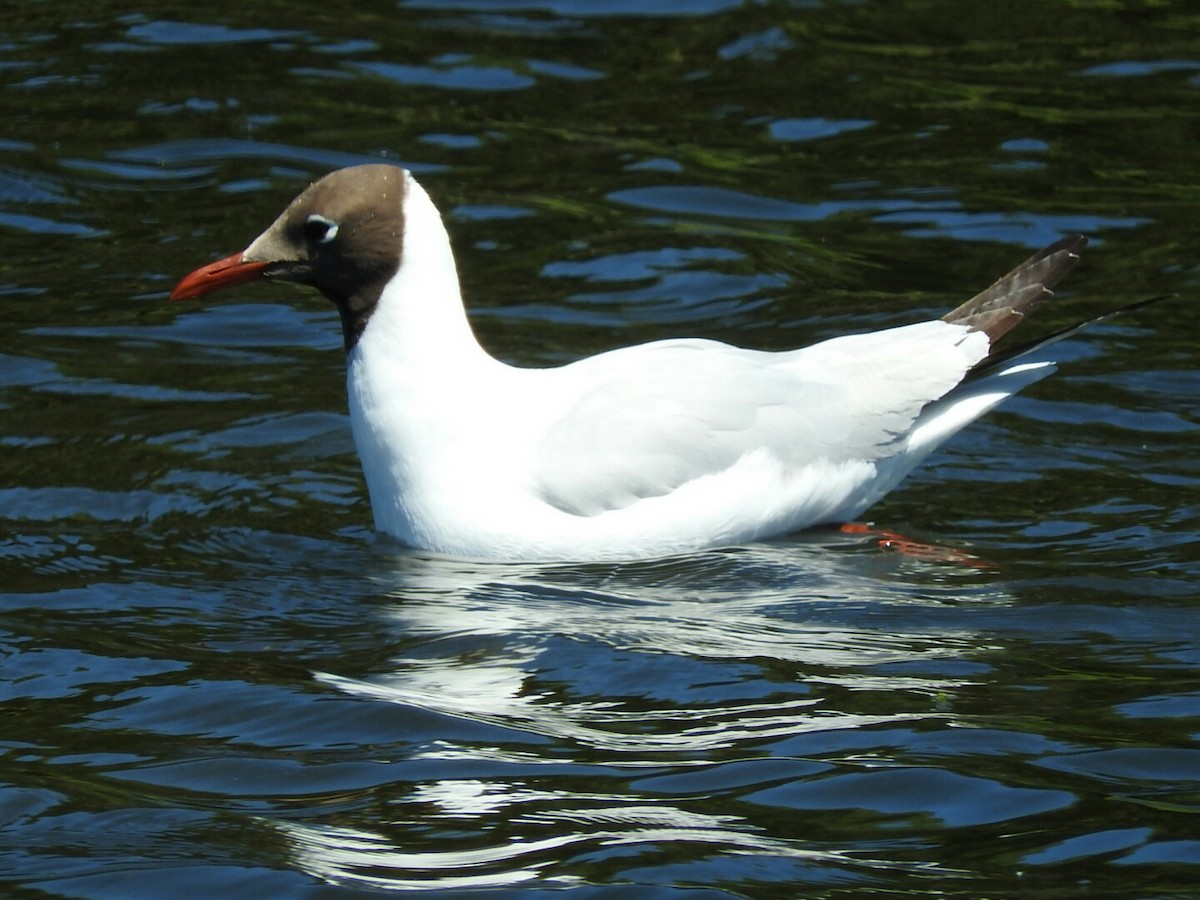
[
  {"x": 684, "y": 665},
  {"x": 367, "y": 858},
  {"x": 487, "y": 631},
  {"x": 487, "y": 652}
]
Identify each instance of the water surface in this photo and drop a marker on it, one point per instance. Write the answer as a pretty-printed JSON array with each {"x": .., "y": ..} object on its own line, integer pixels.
[{"x": 215, "y": 679}]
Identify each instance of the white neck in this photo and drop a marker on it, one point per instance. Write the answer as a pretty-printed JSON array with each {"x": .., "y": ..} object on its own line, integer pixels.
[
  {"x": 420, "y": 317},
  {"x": 416, "y": 371}
]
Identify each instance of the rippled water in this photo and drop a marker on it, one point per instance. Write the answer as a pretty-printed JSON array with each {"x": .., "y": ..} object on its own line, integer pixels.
[{"x": 216, "y": 680}]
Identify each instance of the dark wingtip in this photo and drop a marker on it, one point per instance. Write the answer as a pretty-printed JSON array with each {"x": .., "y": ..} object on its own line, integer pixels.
[
  {"x": 1121, "y": 310},
  {"x": 1007, "y": 301},
  {"x": 996, "y": 360}
]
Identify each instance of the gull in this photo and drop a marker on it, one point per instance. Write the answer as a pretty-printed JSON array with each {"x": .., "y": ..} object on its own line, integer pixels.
[{"x": 644, "y": 451}]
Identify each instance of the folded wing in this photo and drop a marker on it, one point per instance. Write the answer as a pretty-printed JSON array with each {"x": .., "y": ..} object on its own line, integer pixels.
[
  {"x": 655, "y": 417},
  {"x": 645, "y": 420}
]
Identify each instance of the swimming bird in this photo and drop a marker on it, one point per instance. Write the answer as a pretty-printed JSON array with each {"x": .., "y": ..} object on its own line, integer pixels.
[{"x": 643, "y": 451}]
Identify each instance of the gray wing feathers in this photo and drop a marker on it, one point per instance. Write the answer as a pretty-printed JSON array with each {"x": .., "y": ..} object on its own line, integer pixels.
[
  {"x": 660, "y": 415},
  {"x": 678, "y": 413}
]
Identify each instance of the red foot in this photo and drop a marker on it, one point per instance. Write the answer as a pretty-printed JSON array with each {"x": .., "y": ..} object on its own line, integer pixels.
[{"x": 890, "y": 540}]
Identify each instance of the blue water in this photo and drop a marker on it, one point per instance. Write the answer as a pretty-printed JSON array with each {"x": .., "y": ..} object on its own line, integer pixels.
[{"x": 215, "y": 680}]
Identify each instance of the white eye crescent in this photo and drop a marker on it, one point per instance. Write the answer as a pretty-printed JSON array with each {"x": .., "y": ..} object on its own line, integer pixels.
[{"x": 320, "y": 230}]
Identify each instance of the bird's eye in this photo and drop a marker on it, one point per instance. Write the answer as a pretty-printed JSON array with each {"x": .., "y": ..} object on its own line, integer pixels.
[{"x": 320, "y": 230}]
